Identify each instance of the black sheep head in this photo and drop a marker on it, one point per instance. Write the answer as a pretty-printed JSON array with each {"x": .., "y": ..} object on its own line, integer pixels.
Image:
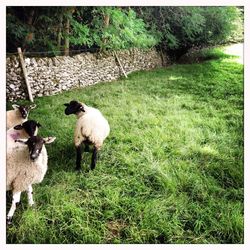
[
  {"x": 73, "y": 107},
  {"x": 35, "y": 145},
  {"x": 29, "y": 126},
  {"x": 24, "y": 109}
]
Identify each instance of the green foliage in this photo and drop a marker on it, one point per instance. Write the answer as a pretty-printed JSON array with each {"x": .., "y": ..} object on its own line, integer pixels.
[
  {"x": 124, "y": 30},
  {"x": 177, "y": 25},
  {"x": 171, "y": 170},
  {"x": 174, "y": 29},
  {"x": 43, "y": 27},
  {"x": 221, "y": 23},
  {"x": 87, "y": 29},
  {"x": 80, "y": 34},
  {"x": 16, "y": 31},
  {"x": 184, "y": 27}
]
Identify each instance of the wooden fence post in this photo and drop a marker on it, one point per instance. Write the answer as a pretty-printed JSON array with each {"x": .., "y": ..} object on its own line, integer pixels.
[
  {"x": 25, "y": 73},
  {"x": 118, "y": 60}
]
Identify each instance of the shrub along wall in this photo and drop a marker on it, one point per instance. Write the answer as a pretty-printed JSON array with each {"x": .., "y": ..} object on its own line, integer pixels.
[{"x": 49, "y": 76}]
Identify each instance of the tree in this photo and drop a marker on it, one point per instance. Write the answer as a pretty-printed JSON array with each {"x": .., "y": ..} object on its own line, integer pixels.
[
  {"x": 181, "y": 28},
  {"x": 116, "y": 28},
  {"x": 173, "y": 29}
]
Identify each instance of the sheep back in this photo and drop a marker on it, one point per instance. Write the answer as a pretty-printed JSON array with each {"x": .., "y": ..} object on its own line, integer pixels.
[{"x": 91, "y": 126}]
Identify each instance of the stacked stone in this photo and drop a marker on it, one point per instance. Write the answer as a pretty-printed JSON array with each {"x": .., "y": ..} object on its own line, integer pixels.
[{"x": 49, "y": 76}]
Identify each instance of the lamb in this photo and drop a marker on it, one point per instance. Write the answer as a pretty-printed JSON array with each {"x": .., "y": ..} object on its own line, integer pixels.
[
  {"x": 26, "y": 165},
  {"x": 91, "y": 129},
  {"x": 18, "y": 115},
  {"x": 21, "y": 131}
]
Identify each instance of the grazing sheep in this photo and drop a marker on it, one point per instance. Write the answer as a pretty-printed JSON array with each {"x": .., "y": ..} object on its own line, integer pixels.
[
  {"x": 21, "y": 131},
  {"x": 91, "y": 128},
  {"x": 26, "y": 165},
  {"x": 18, "y": 115}
]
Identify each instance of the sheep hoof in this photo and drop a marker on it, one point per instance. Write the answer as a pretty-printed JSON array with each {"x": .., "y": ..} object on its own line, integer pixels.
[
  {"x": 9, "y": 220},
  {"x": 92, "y": 167},
  {"x": 32, "y": 204}
]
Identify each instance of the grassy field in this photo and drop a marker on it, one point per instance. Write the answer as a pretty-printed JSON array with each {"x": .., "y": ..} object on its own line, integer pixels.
[{"x": 171, "y": 170}]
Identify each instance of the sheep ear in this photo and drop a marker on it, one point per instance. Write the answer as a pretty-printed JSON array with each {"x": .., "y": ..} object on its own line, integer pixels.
[
  {"x": 32, "y": 106},
  {"x": 15, "y": 106},
  {"x": 23, "y": 141},
  {"x": 82, "y": 109},
  {"x": 38, "y": 125},
  {"x": 66, "y": 104},
  {"x": 18, "y": 127},
  {"x": 49, "y": 140}
]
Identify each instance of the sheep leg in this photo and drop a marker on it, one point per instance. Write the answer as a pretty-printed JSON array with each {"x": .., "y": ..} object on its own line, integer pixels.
[
  {"x": 94, "y": 158},
  {"x": 86, "y": 147},
  {"x": 15, "y": 199},
  {"x": 30, "y": 195},
  {"x": 78, "y": 157}
]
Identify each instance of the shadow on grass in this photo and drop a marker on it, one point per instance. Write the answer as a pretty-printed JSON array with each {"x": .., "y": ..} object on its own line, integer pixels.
[
  {"x": 66, "y": 155},
  {"x": 202, "y": 55}
]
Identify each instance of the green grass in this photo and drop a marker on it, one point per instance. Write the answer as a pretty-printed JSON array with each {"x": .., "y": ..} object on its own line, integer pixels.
[{"x": 171, "y": 170}]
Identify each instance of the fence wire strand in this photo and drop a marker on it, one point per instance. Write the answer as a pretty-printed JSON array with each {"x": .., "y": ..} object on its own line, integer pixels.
[{"x": 61, "y": 52}]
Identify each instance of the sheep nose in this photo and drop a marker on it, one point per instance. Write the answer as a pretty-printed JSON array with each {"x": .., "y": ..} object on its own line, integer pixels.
[{"x": 33, "y": 157}]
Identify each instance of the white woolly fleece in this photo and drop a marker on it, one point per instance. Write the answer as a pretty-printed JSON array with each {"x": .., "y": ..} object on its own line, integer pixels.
[
  {"x": 13, "y": 134},
  {"x": 21, "y": 171},
  {"x": 91, "y": 125}
]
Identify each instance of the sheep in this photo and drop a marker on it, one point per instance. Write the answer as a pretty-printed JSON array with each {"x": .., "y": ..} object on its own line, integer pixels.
[
  {"x": 21, "y": 131},
  {"x": 26, "y": 165},
  {"x": 18, "y": 115},
  {"x": 91, "y": 129}
]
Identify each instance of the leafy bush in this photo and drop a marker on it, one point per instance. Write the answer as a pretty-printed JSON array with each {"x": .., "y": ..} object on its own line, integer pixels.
[
  {"x": 221, "y": 23},
  {"x": 184, "y": 27},
  {"x": 123, "y": 31},
  {"x": 80, "y": 34}
]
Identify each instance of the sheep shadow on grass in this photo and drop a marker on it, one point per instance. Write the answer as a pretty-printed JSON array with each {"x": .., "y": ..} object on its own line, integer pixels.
[{"x": 65, "y": 156}]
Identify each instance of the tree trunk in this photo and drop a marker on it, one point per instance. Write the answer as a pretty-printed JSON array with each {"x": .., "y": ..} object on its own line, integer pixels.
[
  {"x": 59, "y": 36},
  {"x": 30, "y": 18},
  {"x": 29, "y": 37},
  {"x": 106, "y": 24},
  {"x": 106, "y": 21},
  {"x": 71, "y": 10},
  {"x": 66, "y": 45}
]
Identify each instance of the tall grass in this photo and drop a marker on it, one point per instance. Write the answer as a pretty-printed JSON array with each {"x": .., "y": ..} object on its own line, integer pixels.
[{"x": 171, "y": 170}]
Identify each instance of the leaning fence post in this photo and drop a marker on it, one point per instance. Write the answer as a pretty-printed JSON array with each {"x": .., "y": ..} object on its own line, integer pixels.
[
  {"x": 118, "y": 60},
  {"x": 19, "y": 50}
]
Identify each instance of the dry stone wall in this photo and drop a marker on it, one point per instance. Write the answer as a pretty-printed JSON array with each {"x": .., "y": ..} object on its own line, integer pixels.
[{"x": 49, "y": 76}]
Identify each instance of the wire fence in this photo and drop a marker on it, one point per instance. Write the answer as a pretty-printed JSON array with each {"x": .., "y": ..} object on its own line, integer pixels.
[{"x": 53, "y": 52}]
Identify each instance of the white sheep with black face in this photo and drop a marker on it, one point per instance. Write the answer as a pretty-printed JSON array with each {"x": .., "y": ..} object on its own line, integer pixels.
[
  {"x": 21, "y": 131},
  {"x": 18, "y": 115},
  {"x": 26, "y": 165},
  {"x": 91, "y": 128}
]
